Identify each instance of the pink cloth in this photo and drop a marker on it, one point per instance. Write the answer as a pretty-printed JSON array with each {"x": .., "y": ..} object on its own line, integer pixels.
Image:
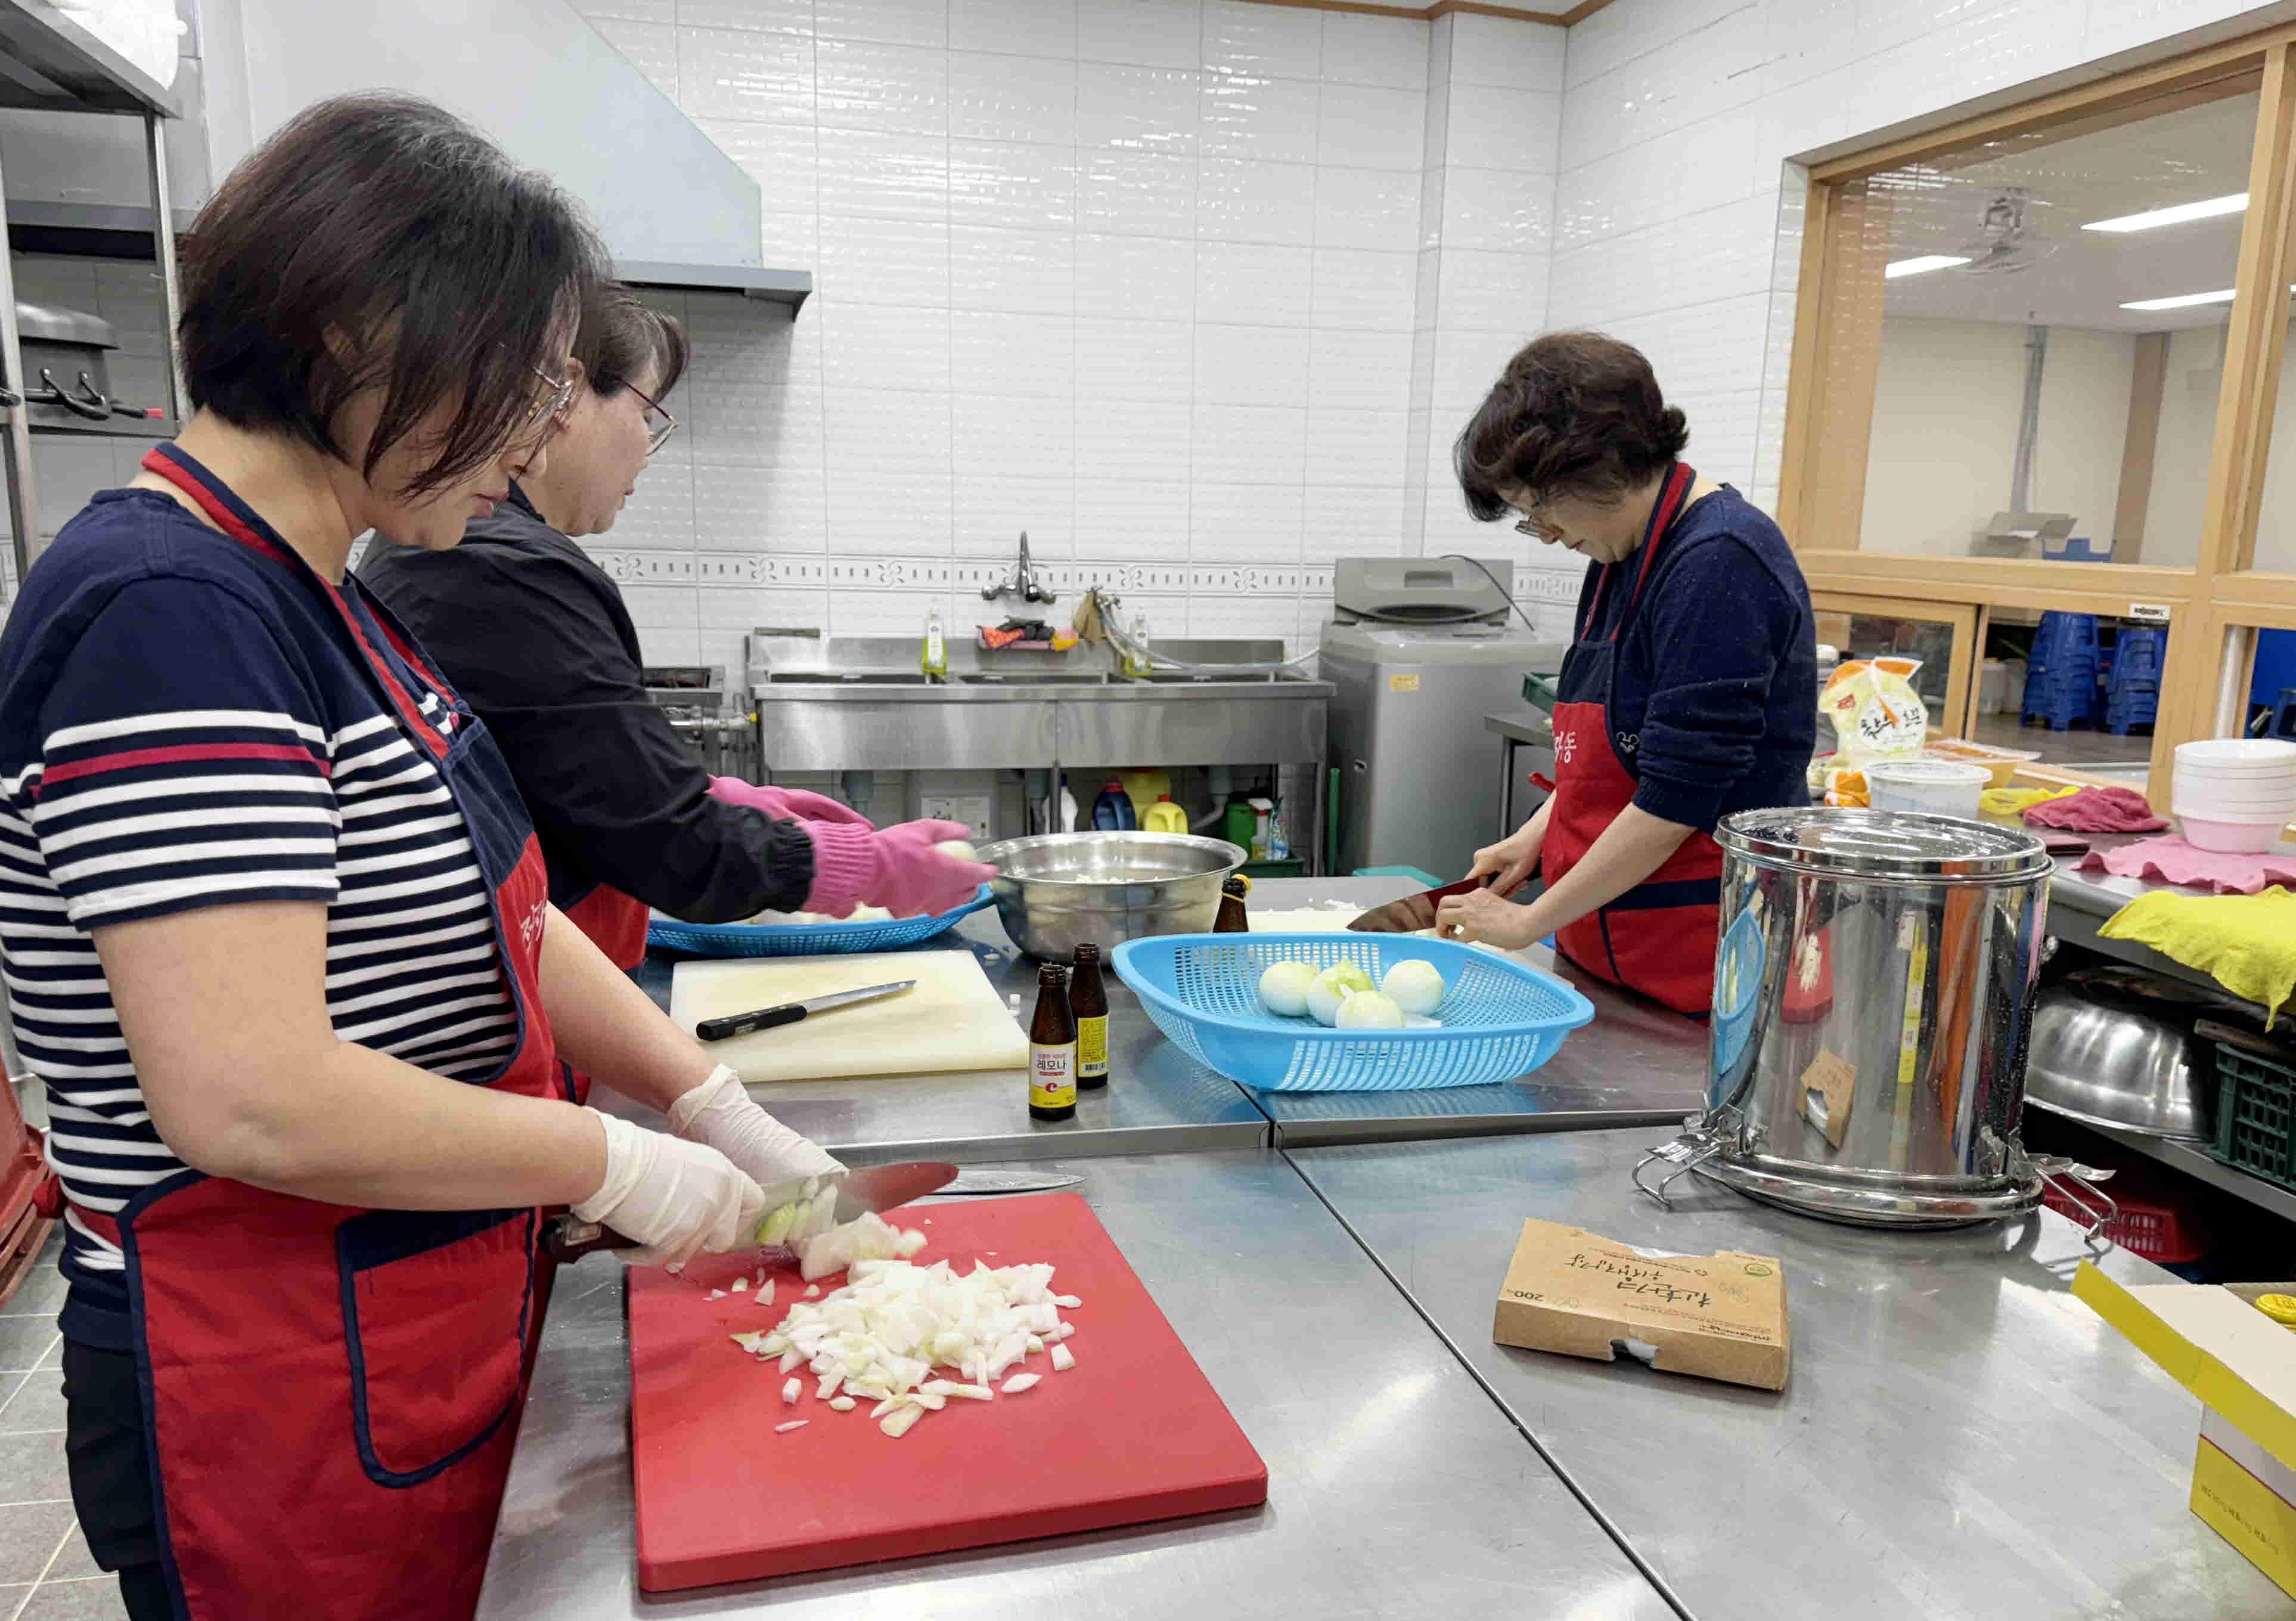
[
  {"x": 2175, "y": 861},
  {"x": 2098, "y": 810}
]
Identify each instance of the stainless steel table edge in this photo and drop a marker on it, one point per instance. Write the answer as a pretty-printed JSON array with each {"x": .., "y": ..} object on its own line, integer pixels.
[{"x": 1336, "y": 1134}]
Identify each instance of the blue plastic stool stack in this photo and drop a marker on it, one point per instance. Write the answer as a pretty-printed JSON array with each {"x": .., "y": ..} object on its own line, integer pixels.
[
  {"x": 2134, "y": 693},
  {"x": 2061, "y": 676}
]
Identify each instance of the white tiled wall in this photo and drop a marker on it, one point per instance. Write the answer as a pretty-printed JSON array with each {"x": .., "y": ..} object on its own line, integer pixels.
[
  {"x": 1139, "y": 276},
  {"x": 1672, "y": 227}
]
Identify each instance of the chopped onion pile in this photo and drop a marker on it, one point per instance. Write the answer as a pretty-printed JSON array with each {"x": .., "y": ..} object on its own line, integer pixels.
[
  {"x": 870, "y": 1239},
  {"x": 879, "y": 1337}
]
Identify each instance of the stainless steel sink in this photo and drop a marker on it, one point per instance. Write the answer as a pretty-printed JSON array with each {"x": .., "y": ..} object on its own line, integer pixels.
[{"x": 851, "y": 703}]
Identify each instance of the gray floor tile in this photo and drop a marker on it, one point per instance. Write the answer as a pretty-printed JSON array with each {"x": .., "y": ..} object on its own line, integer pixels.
[
  {"x": 96, "y": 1599},
  {"x": 40, "y": 1294},
  {"x": 29, "y": 1533},
  {"x": 53, "y": 1356},
  {"x": 74, "y": 1561},
  {"x": 24, "y": 1340},
  {"x": 32, "y": 1469},
  {"x": 38, "y": 1404},
  {"x": 10, "y": 1597}
]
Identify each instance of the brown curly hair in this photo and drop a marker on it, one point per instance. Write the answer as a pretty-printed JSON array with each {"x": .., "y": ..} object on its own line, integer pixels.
[{"x": 1574, "y": 414}]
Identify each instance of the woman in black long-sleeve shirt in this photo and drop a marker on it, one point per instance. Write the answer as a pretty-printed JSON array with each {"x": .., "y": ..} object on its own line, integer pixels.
[{"x": 538, "y": 640}]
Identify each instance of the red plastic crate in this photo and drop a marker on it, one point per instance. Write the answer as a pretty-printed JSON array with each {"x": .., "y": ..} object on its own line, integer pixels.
[{"x": 2151, "y": 1223}]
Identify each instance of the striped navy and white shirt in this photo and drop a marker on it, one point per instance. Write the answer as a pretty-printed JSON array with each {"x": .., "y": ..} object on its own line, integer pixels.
[{"x": 183, "y": 724}]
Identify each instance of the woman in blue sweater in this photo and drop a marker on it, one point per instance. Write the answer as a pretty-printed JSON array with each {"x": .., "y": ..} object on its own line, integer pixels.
[{"x": 1690, "y": 689}]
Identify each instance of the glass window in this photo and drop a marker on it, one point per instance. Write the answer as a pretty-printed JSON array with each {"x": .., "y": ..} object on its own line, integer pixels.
[{"x": 2035, "y": 329}]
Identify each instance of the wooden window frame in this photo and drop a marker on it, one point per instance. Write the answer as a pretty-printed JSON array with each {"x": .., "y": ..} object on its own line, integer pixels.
[
  {"x": 1822, "y": 468},
  {"x": 1960, "y": 683}
]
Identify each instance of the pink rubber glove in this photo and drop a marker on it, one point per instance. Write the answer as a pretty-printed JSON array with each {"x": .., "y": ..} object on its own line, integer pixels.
[
  {"x": 789, "y": 804},
  {"x": 896, "y": 868}
]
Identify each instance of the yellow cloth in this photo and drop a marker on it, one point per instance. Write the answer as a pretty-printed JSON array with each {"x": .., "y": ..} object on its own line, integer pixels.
[
  {"x": 2016, "y": 802},
  {"x": 2246, "y": 943}
]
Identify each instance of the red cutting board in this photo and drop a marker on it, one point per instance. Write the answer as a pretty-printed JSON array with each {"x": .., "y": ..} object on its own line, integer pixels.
[{"x": 1133, "y": 1432}]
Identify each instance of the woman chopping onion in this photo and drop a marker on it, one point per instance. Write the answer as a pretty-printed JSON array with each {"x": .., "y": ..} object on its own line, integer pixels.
[
  {"x": 279, "y": 941},
  {"x": 1689, "y": 691},
  {"x": 536, "y": 637}
]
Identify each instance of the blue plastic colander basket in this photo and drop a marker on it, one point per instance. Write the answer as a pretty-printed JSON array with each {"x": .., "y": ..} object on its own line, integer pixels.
[
  {"x": 803, "y": 939},
  {"x": 1500, "y": 1018}
]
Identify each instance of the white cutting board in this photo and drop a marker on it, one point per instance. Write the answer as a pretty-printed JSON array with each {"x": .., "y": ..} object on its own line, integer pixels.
[{"x": 951, "y": 1020}]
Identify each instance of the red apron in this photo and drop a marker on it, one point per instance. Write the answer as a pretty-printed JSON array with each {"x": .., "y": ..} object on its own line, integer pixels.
[
  {"x": 330, "y": 1393},
  {"x": 1659, "y": 937},
  {"x": 615, "y": 922}
]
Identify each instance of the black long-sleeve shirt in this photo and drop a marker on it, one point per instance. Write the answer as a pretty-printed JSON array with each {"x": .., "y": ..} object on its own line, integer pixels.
[{"x": 537, "y": 639}]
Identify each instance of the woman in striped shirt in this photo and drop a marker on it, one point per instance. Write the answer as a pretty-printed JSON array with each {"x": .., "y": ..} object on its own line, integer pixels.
[{"x": 276, "y": 928}]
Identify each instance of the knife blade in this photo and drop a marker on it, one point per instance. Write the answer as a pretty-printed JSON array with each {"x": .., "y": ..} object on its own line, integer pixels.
[
  {"x": 880, "y": 1187},
  {"x": 1009, "y": 1182},
  {"x": 789, "y": 1013},
  {"x": 1413, "y": 913}
]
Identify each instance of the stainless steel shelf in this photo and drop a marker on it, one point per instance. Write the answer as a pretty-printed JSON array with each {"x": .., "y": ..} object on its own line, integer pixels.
[
  {"x": 49, "y": 62},
  {"x": 2189, "y": 1159},
  {"x": 118, "y": 427}
]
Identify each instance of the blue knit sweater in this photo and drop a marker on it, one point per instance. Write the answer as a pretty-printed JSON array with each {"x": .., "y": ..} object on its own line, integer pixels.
[{"x": 1714, "y": 703}]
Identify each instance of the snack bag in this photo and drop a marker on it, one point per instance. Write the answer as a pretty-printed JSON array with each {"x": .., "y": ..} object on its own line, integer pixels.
[{"x": 1876, "y": 715}]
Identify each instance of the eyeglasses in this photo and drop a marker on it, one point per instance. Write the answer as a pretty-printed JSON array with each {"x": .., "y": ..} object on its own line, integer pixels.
[
  {"x": 660, "y": 423},
  {"x": 547, "y": 412},
  {"x": 1533, "y": 525}
]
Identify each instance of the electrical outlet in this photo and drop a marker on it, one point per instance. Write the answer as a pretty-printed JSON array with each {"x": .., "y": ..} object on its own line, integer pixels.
[{"x": 971, "y": 809}]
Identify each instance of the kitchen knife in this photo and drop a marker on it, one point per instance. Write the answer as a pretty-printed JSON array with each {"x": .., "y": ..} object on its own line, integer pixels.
[
  {"x": 1413, "y": 913},
  {"x": 880, "y": 1187},
  {"x": 790, "y": 1013}
]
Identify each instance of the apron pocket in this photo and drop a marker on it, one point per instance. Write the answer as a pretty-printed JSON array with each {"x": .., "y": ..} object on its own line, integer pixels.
[{"x": 435, "y": 1306}]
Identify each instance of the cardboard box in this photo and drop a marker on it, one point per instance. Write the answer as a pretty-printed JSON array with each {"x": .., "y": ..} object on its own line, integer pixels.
[
  {"x": 2211, "y": 1339},
  {"x": 1721, "y": 1316}
]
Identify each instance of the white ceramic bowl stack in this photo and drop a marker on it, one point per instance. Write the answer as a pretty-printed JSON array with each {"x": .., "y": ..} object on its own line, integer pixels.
[{"x": 2234, "y": 794}]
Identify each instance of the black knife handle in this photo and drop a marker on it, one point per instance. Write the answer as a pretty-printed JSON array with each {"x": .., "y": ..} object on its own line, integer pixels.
[
  {"x": 749, "y": 1024},
  {"x": 566, "y": 1239}
]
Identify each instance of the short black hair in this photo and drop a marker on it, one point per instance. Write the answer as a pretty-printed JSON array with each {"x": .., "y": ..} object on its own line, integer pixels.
[
  {"x": 622, "y": 335},
  {"x": 1574, "y": 414},
  {"x": 378, "y": 241}
]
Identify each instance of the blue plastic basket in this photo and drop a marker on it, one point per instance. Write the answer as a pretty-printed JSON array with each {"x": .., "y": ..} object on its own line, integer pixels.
[
  {"x": 803, "y": 939},
  {"x": 1501, "y": 1018}
]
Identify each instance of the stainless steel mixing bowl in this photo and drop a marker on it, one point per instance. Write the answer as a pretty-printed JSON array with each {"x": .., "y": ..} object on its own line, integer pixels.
[
  {"x": 1055, "y": 891},
  {"x": 2113, "y": 1046}
]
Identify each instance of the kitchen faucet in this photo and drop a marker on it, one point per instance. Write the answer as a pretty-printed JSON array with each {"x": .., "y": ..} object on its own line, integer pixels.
[{"x": 1021, "y": 582}]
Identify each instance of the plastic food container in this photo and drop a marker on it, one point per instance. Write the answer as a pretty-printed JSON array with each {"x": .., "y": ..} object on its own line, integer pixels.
[{"x": 1939, "y": 787}]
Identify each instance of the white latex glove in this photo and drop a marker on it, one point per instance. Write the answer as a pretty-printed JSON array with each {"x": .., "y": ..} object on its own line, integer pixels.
[
  {"x": 719, "y": 1113},
  {"x": 676, "y": 1199}
]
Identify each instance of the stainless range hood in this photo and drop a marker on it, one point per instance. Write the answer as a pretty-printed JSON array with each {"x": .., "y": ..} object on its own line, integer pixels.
[{"x": 676, "y": 212}]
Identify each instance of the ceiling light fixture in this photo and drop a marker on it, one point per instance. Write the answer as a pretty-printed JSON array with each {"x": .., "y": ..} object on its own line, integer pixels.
[
  {"x": 1919, "y": 266},
  {"x": 2152, "y": 220},
  {"x": 2183, "y": 301}
]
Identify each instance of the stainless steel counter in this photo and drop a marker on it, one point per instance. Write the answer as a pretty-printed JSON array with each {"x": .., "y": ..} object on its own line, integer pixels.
[
  {"x": 1958, "y": 1437},
  {"x": 1526, "y": 744},
  {"x": 1636, "y": 1064},
  {"x": 1159, "y": 1100},
  {"x": 1395, "y": 1488}
]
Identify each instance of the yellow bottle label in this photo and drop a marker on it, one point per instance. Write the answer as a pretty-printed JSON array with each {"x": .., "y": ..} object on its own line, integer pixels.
[
  {"x": 1092, "y": 1048},
  {"x": 1052, "y": 1076}
]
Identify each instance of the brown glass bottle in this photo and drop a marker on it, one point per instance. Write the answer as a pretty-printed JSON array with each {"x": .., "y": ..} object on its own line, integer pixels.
[
  {"x": 1088, "y": 1000},
  {"x": 1051, "y": 1048},
  {"x": 1232, "y": 920}
]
